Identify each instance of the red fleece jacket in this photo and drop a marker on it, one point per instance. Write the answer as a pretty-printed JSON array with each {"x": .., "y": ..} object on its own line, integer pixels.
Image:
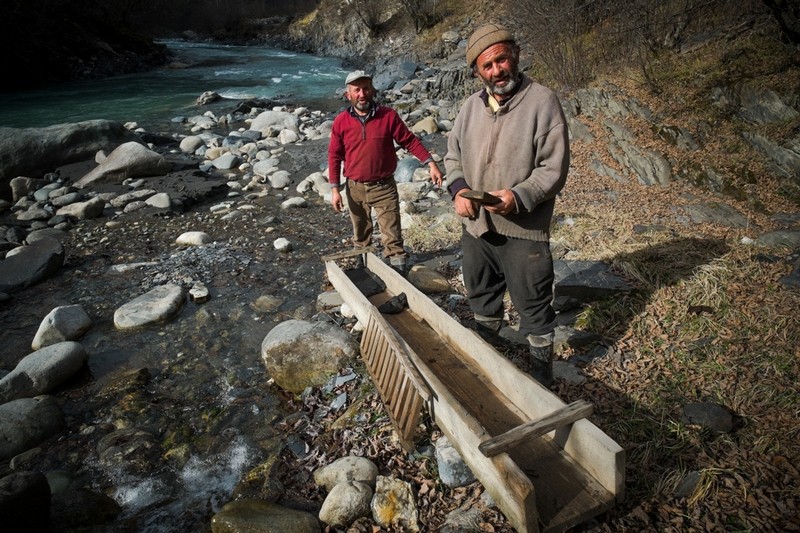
[{"x": 365, "y": 151}]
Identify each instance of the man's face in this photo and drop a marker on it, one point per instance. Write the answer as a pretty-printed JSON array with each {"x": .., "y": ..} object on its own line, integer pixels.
[
  {"x": 498, "y": 68},
  {"x": 360, "y": 94}
]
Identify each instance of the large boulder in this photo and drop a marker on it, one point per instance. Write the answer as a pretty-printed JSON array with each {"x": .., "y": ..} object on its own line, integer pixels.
[
  {"x": 159, "y": 304},
  {"x": 33, "y": 263},
  {"x": 35, "y": 151},
  {"x": 64, "y": 323},
  {"x": 263, "y": 516},
  {"x": 27, "y": 422},
  {"x": 129, "y": 160},
  {"x": 42, "y": 371},
  {"x": 300, "y": 354},
  {"x": 269, "y": 121}
]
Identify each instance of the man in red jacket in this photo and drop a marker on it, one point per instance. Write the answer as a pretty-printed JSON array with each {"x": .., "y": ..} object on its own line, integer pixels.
[{"x": 362, "y": 150}]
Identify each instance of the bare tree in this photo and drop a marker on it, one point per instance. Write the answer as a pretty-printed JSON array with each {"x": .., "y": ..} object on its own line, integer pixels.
[
  {"x": 369, "y": 12},
  {"x": 423, "y": 13}
]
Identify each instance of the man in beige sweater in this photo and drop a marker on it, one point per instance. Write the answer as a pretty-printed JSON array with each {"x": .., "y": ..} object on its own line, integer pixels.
[{"x": 510, "y": 139}]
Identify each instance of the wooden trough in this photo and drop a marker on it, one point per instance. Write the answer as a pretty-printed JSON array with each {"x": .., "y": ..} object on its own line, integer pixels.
[{"x": 545, "y": 465}]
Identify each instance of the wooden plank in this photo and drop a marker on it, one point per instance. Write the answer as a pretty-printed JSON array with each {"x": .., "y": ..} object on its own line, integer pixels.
[
  {"x": 536, "y": 428},
  {"x": 347, "y": 253}
]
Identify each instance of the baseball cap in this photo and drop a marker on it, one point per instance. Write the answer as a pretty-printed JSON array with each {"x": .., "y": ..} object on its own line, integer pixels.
[{"x": 356, "y": 75}]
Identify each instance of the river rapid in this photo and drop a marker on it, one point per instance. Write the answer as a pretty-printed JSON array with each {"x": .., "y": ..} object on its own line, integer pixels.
[{"x": 153, "y": 98}]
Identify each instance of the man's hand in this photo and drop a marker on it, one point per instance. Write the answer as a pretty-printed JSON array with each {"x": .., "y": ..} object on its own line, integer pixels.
[
  {"x": 464, "y": 206},
  {"x": 436, "y": 174},
  {"x": 508, "y": 203},
  {"x": 336, "y": 199}
]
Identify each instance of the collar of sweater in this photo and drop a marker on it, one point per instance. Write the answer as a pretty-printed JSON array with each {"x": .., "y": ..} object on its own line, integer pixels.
[{"x": 491, "y": 101}]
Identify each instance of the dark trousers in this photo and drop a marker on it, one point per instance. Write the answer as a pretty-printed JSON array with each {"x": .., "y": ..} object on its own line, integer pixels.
[{"x": 494, "y": 263}]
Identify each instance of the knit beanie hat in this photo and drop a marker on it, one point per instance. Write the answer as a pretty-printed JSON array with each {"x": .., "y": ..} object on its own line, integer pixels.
[{"x": 484, "y": 37}]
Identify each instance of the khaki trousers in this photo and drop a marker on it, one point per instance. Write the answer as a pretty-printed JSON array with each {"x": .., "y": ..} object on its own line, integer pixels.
[{"x": 383, "y": 197}]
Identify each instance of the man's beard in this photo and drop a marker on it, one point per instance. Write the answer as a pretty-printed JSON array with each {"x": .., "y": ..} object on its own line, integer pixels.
[
  {"x": 508, "y": 88},
  {"x": 363, "y": 106}
]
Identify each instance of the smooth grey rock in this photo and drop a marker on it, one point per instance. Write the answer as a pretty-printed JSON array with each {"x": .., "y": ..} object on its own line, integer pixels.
[
  {"x": 193, "y": 238},
  {"x": 89, "y": 209},
  {"x": 280, "y": 179},
  {"x": 462, "y": 521},
  {"x": 428, "y": 280},
  {"x": 35, "y": 212},
  {"x": 190, "y": 144},
  {"x": 268, "y": 119},
  {"x": 64, "y": 323},
  {"x": 27, "y": 422},
  {"x": 21, "y": 187},
  {"x": 130, "y": 160},
  {"x": 346, "y": 502},
  {"x": 329, "y": 300},
  {"x": 288, "y": 136},
  {"x": 42, "y": 371},
  {"x": 298, "y": 354},
  {"x": 161, "y": 303},
  {"x": 69, "y": 198},
  {"x": 709, "y": 415},
  {"x": 264, "y": 517},
  {"x": 33, "y": 263},
  {"x": 226, "y": 161},
  {"x": 687, "y": 485},
  {"x": 349, "y": 468},
  {"x": 294, "y": 202},
  {"x": 780, "y": 238},
  {"x": 159, "y": 200},
  {"x": 124, "y": 199},
  {"x": 405, "y": 169},
  {"x": 586, "y": 280},
  {"x": 453, "y": 471}
]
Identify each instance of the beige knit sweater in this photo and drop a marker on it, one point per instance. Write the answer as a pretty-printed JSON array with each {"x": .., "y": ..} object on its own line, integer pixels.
[{"x": 524, "y": 147}]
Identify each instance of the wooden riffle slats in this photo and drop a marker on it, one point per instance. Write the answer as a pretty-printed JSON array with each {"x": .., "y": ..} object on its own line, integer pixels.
[{"x": 401, "y": 387}]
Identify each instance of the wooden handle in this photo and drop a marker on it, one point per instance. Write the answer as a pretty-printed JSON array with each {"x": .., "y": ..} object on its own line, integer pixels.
[{"x": 536, "y": 428}]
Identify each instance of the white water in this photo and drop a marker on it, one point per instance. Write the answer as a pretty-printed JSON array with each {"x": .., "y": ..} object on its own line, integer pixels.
[{"x": 236, "y": 72}]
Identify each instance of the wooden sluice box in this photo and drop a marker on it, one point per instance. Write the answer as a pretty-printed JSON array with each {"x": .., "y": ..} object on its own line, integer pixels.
[{"x": 545, "y": 465}]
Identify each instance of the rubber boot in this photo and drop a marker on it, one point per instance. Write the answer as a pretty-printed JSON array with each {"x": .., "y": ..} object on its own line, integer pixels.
[
  {"x": 488, "y": 328},
  {"x": 400, "y": 268},
  {"x": 541, "y": 358}
]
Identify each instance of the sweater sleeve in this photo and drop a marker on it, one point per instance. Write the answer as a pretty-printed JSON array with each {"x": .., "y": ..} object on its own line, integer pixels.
[
  {"x": 452, "y": 159},
  {"x": 335, "y": 154},
  {"x": 406, "y": 138},
  {"x": 552, "y": 158}
]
